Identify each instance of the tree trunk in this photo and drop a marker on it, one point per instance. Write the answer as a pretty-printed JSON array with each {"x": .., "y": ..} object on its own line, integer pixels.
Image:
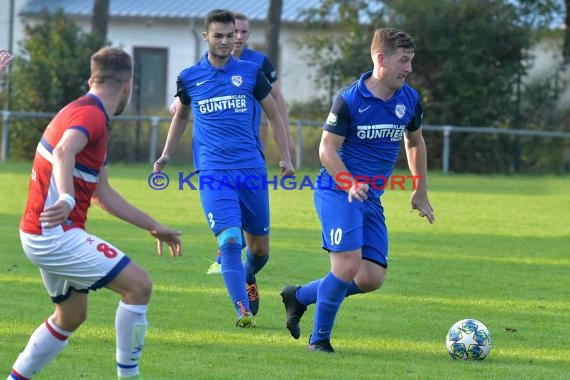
[
  {"x": 100, "y": 19},
  {"x": 566, "y": 49},
  {"x": 272, "y": 31}
]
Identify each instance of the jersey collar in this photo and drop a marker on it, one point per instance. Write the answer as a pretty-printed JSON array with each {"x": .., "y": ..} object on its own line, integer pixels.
[
  {"x": 365, "y": 91},
  {"x": 362, "y": 86},
  {"x": 204, "y": 63},
  {"x": 99, "y": 105}
]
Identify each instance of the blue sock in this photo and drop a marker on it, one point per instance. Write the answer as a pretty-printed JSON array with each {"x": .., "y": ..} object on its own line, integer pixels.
[
  {"x": 219, "y": 257},
  {"x": 332, "y": 292},
  {"x": 353, "y": 289},
  {"x": 307, "y": 294},
  {"x": 253, "y": 264},
  {"x": 234, "y": 277}
]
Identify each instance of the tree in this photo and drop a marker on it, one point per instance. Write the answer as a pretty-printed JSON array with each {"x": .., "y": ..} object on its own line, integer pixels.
[
  {"x": 100, "y": 19},
  {"x": 51, "y": 71},
  {"x": 566, "y": 51},
  {"x": 337, "y": 40},
  {"x": 272, "y": 30},
  {"x": 469, "y": 59}
]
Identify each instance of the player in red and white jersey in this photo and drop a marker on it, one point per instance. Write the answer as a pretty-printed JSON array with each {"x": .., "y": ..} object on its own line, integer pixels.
[
  {"x": 87, "y": 116},
  {"x": 68, "y": 173}
]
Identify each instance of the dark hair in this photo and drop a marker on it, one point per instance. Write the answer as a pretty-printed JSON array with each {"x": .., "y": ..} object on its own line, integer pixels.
[
  {"x": 222, "y": 16},
  {"x": 388, "y": 40},
  {"x": 111, "y": 66}
]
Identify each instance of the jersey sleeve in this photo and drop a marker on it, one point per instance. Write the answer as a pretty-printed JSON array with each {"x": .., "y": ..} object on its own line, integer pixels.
[
  {"x": 181, "y": 92},
  {"x": 416, "y": 121},
  {"x": 269, "y": 70},
  {"x": 339, "y": 119},
  {"x": 262, "y": 86},
  {"x": 89, "y": 120}
]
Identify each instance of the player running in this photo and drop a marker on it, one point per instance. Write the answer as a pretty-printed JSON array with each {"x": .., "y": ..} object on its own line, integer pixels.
[
  {"x": 361, "y": 137},
  {"x": 222, "y": 93},
  {"x": 69, "y": 171}
]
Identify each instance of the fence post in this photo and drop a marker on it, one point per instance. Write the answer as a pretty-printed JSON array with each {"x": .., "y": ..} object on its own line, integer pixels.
[
  {"x": 154, "y": 123},
  {"x": 299, "y": 152},
  {"x": 5, "y": 129},
  {"x": 445, "y": 159}
]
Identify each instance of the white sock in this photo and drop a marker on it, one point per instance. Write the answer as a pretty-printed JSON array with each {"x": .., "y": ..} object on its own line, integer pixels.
[
  {"x": 130, "y": 326},
  {"x": 44, "y": 345}
]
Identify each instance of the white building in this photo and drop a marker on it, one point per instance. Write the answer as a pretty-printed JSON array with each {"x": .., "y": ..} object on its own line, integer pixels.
[{"x": 165, "y": 37}]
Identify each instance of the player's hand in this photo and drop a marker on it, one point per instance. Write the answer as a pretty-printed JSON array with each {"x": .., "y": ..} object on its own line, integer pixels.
[
  {"x": 160, "y": 163},
  {"x": 55, "y": 214},
  {"x": 286, "y": 168},
  {"x": 169, "y": 236},
  {"x": 358, "y": 191},
  {"x": 174, "y": 107},
  {"x": 420, "y": 202},
  {"x": 5, "y": 58}
]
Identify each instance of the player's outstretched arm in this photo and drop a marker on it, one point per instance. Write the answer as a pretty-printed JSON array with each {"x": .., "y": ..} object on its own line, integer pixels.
[
  {"x": 282, "y": 107},
  {"x": 279, "y": 134},
  {"x": 5, "y": 58},
  {"x": 175, "y": 132},
  {"x": 112, "y": 202},
  {"x": 417, "y": 161}
]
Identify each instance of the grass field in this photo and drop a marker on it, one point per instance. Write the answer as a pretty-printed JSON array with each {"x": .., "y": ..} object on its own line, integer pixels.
[{"x": 499, "y": 252}]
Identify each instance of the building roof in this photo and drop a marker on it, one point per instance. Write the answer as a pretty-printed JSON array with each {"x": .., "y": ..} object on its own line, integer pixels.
[{"x": 256, "y": 10}]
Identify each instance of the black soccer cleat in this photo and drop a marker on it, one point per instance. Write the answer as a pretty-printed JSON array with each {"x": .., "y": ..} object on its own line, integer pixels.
[
  {"x": 294, "y": 310},
  {"x": 320, "y": 346},
  {"x": 253, "y": 294}
]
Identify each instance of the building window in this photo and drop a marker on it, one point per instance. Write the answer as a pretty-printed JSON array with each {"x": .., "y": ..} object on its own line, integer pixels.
[{"x": 149, "y": 91}]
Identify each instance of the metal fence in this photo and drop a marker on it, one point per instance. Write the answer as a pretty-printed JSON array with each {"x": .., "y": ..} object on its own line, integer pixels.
[{"x": 147, "y": 139}]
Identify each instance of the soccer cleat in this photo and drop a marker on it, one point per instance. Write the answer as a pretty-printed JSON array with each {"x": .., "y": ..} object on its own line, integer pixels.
[
  {"x": 246, "y": 321},
  {"x": 215, "y": 268},
  {"x": 320, "y": 345},
  {"x": 294, "y": 310},
  {"x": 253, "y": 295}
]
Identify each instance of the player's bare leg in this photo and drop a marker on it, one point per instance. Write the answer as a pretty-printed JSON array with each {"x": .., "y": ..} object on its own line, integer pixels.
[{"x": 51, "y": 337}]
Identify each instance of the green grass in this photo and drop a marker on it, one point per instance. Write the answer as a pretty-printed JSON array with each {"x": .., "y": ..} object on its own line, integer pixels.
[{"x": 499, "y": 252}]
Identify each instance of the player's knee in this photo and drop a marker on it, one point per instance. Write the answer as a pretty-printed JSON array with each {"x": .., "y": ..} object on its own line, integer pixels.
[
  {"x": 139, "y": 290},
  {"x": 260, "y": 248},
  {"x": 144, "y": 289},
  {"x": 371, "y": 283},
  {"x": 230, "y": 235},
  {"x": 69, "y": 321}
]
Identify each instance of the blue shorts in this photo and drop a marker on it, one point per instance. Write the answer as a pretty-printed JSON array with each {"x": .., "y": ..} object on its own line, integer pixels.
[
  {"x": 349, "y": 226},
  {"x": 230, "y": 201}
]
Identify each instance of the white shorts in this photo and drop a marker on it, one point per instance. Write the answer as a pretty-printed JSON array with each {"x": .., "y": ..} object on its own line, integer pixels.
[{"x": 72, "y": 259}]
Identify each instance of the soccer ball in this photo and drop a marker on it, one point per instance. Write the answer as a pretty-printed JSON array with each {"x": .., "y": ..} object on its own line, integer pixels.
[{"x": 468, "y": 339}]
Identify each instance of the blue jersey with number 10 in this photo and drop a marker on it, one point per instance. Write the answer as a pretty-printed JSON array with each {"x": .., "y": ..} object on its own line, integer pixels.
[{"x": 223, "y": 103}]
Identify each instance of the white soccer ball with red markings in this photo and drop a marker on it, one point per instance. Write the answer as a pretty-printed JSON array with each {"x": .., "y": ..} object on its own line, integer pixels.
[{"x": 468, "y": 339}]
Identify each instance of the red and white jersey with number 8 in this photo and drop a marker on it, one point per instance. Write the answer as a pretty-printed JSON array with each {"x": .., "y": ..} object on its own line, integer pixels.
[{"x": 88, "y": 116}]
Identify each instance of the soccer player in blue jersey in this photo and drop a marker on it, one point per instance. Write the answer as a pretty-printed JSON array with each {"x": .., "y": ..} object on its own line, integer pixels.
[
  {"x": 361, "y": 139},
  {"x": 222, "y": 93},
  {"x": 243, "y": 52}
]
